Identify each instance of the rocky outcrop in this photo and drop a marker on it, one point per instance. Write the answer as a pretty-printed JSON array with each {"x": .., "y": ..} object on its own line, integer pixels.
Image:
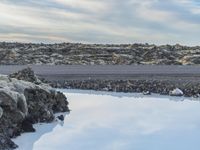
[
  {"x": 99, "y": 54},
  {"x": 26, "y": 74},
  {"x": 23, "y": 103}
]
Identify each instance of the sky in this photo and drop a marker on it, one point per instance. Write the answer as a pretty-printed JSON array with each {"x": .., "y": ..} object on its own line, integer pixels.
[{"x": 101, "y": 21}]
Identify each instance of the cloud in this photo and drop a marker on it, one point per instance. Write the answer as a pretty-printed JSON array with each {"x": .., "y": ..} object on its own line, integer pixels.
[
  {"x": 92, "y": 6},
  {"x": 105, "y": 21}
]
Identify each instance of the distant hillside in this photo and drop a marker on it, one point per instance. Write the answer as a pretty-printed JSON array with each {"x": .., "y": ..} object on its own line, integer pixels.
[{"x": 69, "y": 53}]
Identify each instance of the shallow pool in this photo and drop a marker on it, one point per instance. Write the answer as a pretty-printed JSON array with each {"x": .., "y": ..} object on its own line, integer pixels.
[{"x": 118, "y": 121}]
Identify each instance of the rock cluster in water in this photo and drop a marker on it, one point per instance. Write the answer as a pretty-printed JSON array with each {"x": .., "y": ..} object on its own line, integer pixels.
[
  {"x": 23, "y": 103},
  {"x": 163, "y": 87},
  {"x": 76, "y": 53}
]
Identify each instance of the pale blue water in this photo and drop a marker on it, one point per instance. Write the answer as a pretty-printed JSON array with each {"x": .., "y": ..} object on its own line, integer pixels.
[{"x": 116, "y": 121}]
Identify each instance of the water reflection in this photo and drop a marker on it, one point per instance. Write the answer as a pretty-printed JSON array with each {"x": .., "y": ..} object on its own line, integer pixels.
[
  {"x": 107, "y": 122},
  {"x": 27, "y": 140}
]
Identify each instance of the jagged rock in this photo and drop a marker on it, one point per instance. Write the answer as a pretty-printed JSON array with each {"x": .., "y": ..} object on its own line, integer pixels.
[
  {"x": 6, "y": 143},
  {"x": 42, "y": 104},
  {"x": 23, "y": 103},
  {"x": 26, "y": 74}
]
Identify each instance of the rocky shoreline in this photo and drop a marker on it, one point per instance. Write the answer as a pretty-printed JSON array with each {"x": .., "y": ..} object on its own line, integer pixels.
[
  {"x": 25, "y": 100},
  {"x": 163, "y": 87}
]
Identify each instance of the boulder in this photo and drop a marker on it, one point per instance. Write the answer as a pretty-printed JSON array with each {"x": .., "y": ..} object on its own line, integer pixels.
[
  {"x": 26, "y": 74},
  {"x": 24, "y": 101},
  {"x": 176, "y": 92},
  {"x": 146, "y": 93},
  {"x": 27, "y": 125},
  {"x": 43, "y": 104}
]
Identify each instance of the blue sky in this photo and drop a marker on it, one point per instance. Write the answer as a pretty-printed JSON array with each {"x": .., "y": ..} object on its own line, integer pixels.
[{"x": 101, "y": 21}]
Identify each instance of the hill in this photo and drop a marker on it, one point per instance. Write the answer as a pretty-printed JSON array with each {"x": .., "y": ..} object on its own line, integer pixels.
[{"x": 99, "y": 54}]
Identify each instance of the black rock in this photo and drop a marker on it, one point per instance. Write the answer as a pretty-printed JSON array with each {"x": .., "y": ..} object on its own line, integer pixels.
[
  {"x": 26, "y": 74},
  {"x": 61, "y": 117},
  {"x": 6, "y": 143},
  {"x": 27, "y": 126}
]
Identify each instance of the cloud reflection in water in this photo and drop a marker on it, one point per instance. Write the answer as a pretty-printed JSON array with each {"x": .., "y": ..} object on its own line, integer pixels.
[{"x": 106, "y": 122}]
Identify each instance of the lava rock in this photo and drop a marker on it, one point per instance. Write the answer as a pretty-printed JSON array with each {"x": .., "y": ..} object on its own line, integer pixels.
[
  {"x": 162, "y": 87},
  {"x": 6, "y": 143},
  {"x": 61, "y": 117},
  {"x": 27, "y": 125},
  {"x": 26, "y": 74},
  {"x": 23, "y": 103}
]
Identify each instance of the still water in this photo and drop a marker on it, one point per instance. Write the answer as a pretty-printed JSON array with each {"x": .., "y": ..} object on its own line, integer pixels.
[{"x": 118, "y": 121}]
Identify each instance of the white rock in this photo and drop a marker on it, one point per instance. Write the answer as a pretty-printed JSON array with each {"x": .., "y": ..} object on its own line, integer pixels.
[
  {"x": 176, "y": 92},
  {"x": 146, "y": 93},
  {"x": 15, "y": 89}
]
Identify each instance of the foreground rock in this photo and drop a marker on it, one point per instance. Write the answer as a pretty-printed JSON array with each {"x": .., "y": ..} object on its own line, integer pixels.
[{"x": 23, "y": 103}]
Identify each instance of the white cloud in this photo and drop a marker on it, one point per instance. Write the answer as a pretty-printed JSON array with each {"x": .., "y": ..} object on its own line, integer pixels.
[
  {"x": 87, "y": 5},
  {"x": 106, "y": 21}
]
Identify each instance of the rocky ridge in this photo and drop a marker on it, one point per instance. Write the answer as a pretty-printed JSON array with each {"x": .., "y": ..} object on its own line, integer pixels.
[
  {"x": 99, "y": 54},
  {"x": 23, "y": 103}
]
